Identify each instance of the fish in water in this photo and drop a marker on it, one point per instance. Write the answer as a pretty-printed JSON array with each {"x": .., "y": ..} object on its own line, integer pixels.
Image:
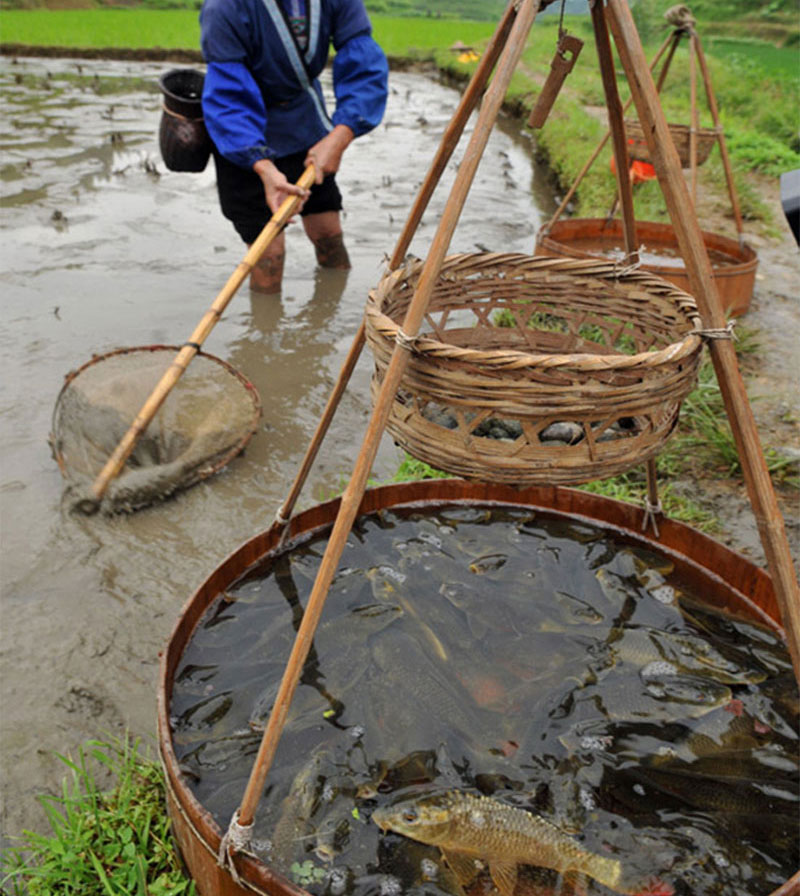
[
  {"x": 297, "y": 808},
  {"x": 647, "y": 647},
  {"x": 467, "y": 828}
]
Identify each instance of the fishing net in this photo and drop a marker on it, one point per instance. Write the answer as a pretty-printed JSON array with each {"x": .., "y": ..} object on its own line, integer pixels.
[{"x": 204, "y": 422}]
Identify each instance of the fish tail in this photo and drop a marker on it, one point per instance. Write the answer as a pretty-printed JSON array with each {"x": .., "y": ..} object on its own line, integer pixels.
[{"x": 605, "y": 871}]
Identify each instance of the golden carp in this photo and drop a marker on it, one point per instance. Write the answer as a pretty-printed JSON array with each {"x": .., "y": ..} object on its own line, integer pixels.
[{"x": 467, "y": 828}]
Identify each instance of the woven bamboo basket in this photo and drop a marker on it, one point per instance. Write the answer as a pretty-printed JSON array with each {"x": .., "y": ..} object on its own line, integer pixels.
[
  {"x": 534, "y": 370},
  {"x": 681, "y": 136}
]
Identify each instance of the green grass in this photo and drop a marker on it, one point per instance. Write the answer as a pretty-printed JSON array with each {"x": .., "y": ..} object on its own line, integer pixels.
[
  {"x": 101, "y": 843},
  {"x": 415, "y": 38},
  {"x": 100, "y": 28}
]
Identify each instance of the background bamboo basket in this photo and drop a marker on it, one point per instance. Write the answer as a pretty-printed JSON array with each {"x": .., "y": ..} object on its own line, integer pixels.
[
  {"x": 534, "y": 370},
  {"x": 681, "y": 136}
]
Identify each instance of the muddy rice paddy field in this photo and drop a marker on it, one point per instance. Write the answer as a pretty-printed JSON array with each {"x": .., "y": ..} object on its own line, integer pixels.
[{"x": 102, "y": 247}]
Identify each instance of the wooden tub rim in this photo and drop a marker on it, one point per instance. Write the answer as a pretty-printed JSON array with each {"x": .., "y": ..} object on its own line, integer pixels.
[
  {"x": 556, "y": 501},
  {"x": 661, "y": 231}
]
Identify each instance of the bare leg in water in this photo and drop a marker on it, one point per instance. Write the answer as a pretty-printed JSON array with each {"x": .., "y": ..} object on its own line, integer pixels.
[{"x": 325, "y": 232}]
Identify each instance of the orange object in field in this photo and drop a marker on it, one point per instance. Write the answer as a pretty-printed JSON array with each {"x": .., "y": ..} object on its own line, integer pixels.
[{"x": 639, "y": 171}]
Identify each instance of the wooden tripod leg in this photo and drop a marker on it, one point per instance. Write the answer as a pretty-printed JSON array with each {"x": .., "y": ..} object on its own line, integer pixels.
[
  {"x": 690, "y": 241},
  {"x": 466, "y": 106},
  {"x": 351, "y": 499},
  {"x": 617, "y": 127},
  {"x": 694, "y": 121},
  {"x": 723, "y": 149}
]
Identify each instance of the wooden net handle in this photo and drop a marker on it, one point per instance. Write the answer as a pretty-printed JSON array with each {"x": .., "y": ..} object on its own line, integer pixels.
[{"x": 173, "y": 373}]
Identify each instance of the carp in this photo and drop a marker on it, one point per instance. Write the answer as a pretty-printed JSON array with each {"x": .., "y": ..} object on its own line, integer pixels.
[{"x": 467, "y": 828}]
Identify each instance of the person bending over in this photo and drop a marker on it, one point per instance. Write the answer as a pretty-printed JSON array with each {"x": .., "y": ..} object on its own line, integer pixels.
[{"x": 265, "y": 112}]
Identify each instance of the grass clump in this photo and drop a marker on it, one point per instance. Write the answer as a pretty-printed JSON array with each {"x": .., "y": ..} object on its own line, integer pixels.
[{"x": 102, "y": 843}]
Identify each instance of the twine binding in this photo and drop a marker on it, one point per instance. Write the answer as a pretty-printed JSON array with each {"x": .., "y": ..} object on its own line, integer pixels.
[
  {"x": 624, "y": 270},
  {"x": 405, "y": 341},
  {"x": 726, "y": 332},
  {"x": 236, "y": 839},
  {"x": 651, "y": 511}
]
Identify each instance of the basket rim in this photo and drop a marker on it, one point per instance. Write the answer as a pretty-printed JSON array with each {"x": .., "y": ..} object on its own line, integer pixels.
[
  {"x": 704, "y": 133},
  {"x": 377, "y": 321}
]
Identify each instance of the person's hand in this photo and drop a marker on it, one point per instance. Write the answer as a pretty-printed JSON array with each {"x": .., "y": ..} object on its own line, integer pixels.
[
  {"x": 276, "y": 187},
  {"x": 326, "y": 156}
]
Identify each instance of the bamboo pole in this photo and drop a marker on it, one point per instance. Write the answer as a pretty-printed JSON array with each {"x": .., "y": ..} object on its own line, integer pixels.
[
  {"x": 173, "y": 373},
  {"x": 351, "y": 499},
  {"x": 466, "y": 106},
  {"x": 617, "y": 128},
  {"x": 695, "y": 118},
  {"x": 723, "y": 149},
  {"x": 674, "y": 38},
  {"x": 689, "y": 236}
]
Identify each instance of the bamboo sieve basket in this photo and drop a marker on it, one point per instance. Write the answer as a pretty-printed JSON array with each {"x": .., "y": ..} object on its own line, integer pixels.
[
  {"x": 681, "y": 137},
  {"x": 534, "y": 370}
]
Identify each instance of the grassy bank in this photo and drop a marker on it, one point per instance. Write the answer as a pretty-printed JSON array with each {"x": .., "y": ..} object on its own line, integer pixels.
[{"x": 102, "y": 842}]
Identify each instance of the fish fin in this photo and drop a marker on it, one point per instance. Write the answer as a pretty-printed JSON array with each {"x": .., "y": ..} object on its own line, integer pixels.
[
  {"x": 462, "y": 866},
  {"x": 504, "y": 876}
]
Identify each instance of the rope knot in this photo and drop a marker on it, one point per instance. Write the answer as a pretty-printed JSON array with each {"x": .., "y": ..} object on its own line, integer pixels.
[
  {"x": 726, "y": 332},
  {"x": 236, "y": 839},
  {"x": 405, "y": 341},
  {"x": 651, "y": 511},
  {"x": 680, "y": 16},
  {"x": 630, "y": 266}
]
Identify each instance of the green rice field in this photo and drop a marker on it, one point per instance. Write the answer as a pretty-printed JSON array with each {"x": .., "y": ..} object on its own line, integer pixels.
[{"x": 180, "y": 29}]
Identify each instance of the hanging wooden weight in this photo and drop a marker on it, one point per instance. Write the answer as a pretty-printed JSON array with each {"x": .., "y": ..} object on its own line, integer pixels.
[{"x": 567, "y": 52}]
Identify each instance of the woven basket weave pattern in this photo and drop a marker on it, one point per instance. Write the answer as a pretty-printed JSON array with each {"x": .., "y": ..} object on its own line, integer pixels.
[
  {"x": 512, "y": 345},
  {"x": 681, "y": 137}
]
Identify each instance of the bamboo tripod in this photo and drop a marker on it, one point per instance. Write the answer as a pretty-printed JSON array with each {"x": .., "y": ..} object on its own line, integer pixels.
[
  {"x": 684, "y": 27},
  {"x": 502, "y": 55}
]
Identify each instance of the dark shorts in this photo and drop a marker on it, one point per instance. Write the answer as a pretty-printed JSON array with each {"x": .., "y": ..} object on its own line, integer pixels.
[{"x": 241, "y": 194}]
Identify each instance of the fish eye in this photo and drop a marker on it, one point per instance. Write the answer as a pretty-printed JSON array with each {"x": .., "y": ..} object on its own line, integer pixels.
[{"x": 409, "y": 815}]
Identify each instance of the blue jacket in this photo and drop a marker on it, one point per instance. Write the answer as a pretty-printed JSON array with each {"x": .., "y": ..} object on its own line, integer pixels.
[{"x": 261, "y": 96}]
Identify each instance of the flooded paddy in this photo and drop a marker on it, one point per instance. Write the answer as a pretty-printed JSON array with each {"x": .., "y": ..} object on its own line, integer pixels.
[
  {"x": 101, "y": 248},
  {"x": 542, "y": 663}
]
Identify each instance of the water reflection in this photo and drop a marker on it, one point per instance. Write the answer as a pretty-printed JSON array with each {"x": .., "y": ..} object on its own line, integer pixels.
[{"x": 283, "y": 351}]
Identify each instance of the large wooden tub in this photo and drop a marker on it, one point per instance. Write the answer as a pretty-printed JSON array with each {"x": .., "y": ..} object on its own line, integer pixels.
[
  {"x": 733, "y": 265},
  {"x": 727, "y": 579}
]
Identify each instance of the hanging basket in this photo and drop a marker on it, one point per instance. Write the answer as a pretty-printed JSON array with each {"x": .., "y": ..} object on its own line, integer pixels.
[
  {"x": 681, "y": 137},
  {"x": 533, "y": 370}
]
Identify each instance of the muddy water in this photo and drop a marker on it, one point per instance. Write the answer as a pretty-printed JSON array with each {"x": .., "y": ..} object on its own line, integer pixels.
[{"x": 102, "y": 247}]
